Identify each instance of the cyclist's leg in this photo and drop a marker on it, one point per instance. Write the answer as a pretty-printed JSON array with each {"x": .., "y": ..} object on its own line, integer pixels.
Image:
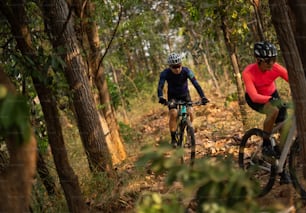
[
  {"x": 173, "y": 121},
  {"x": 271, "y": 110},
  {"x": 259, "y": 108},
  {"x": 271, "y": 113}
]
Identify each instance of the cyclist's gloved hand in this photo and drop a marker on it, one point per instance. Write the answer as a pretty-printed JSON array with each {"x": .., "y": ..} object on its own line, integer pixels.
[
  {"x": 204, "y": 101},
  {"x": 162, "y": 101},
  {"x": 275, "y": 101}
]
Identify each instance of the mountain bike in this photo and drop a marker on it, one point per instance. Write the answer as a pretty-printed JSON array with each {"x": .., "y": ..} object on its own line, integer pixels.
[
  {"x": 185, "y": 132},
  {"x": 262, "y": 169}
]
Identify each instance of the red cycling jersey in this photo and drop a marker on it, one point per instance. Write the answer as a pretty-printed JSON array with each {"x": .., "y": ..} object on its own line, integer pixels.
[{"x": 260, "y": 85}]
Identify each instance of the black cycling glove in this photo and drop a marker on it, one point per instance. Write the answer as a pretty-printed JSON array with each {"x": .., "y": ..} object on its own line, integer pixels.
[
  {"x": 275, "y": 101},
  {"x": 162, "y": 101},
  {"x": 204, "y": 101}
]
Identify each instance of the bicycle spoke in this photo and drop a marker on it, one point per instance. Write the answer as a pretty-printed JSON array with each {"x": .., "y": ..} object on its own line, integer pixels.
[{"x": 259, "y": 169}]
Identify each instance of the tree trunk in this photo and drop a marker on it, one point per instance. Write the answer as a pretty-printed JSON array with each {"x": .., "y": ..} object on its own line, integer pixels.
[
  {"x": 67, "y": 177},
  {"x": 211, "y": 73},
  {"x": 281, "y": 21},
  {"x": 16, "y": 181},
  {"x": 113, "y": 137},
  {"x": 237, "y": 75},
  {"x": 260, "y": 31},
  {"x": 125, "y": 116},
  {"x": 60, "y": 21},
  {"x": 4, "y": 160},
  {"x": 298, "y": 18},
  {"x": 45, "y": 175}
]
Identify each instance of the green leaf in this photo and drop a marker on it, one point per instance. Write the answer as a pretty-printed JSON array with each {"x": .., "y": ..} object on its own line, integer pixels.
[{"x": 7, "y": 112}]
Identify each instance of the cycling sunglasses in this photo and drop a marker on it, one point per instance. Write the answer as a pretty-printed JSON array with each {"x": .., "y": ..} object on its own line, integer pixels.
[
  {"x": 269, "y": 60},
  {"x": 175, "y": 66}
]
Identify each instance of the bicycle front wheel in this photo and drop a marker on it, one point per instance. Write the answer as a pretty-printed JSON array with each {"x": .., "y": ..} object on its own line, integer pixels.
[
  {"x": 297, "y": 165},
  {"x": 187, "y": 143},
  {"x": 191, "y": 143},
  {"x": 260, "y": 170}
]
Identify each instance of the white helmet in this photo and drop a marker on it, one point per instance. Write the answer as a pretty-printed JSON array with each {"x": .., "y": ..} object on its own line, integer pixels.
[{"x": 174, "y": 58}]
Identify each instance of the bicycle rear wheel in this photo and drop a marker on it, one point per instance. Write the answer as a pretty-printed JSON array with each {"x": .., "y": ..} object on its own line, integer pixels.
[
  {"x": 261, "y": 170},
  {"x": 296, "y": 168}
]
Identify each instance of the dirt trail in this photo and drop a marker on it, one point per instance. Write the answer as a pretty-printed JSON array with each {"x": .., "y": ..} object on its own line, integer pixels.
[{"x": 218, "y": 130}]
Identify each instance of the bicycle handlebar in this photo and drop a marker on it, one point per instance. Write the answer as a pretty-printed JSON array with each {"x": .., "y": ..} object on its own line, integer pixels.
[{"x": 186, "y": 103}]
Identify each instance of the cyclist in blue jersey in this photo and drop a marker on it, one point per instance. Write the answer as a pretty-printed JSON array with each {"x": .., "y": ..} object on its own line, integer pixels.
[{"x": 177, "y": 77}]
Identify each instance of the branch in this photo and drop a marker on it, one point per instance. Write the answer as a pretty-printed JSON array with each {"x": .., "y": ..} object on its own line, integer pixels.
[{"x": 112, "y": 38}]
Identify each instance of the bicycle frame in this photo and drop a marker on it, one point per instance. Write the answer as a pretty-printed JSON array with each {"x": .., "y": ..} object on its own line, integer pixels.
[
  {"x": 287, "y": 145},
  {"x": 182, "y": 119}
]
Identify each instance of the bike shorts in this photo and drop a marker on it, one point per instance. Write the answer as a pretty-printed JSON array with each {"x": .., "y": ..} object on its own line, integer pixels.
[
  {"x": 282, "y": 114},
  {"x": 172, "y": 100}
]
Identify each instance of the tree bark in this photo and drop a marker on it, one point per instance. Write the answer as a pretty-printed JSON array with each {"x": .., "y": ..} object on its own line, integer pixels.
[
  {"x": 279, "y": 11},
  {"x": 16, "y": 181},
  {"x": 67, "y": 177},
  {"x": 237, "y": 75},
  {"x": 113, "y": 138},
  {"x": 260, "y": 31},
  {"x": 298, "y": 19},
  {"x": 60, "y": 22},
  {"x": 45, "y": 175}
]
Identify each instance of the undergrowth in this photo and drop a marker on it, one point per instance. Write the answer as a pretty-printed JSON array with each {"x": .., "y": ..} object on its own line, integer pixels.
[{"x": 216, "y": 186}]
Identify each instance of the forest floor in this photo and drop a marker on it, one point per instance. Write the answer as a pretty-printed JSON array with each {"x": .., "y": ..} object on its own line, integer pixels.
[{"x": 218, "y": 131}]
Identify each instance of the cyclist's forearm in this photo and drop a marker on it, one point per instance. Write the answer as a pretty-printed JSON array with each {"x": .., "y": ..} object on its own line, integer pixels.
[{"x": 160, "y": 88}]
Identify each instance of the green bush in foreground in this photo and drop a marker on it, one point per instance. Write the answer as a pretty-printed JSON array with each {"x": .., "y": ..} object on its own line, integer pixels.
[{"x": 213, "y": 185}]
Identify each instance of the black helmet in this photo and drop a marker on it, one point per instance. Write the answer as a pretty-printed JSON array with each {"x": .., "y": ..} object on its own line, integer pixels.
[{"x": 264, "y": 49}]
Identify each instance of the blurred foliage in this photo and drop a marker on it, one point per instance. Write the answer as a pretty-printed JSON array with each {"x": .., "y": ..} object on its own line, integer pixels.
[
  {"x": 129, "y": 135},
  {"x": 214, "y": 184},
  {"x": 14, "y": 116},
  {"x": 233, "y": 97}
]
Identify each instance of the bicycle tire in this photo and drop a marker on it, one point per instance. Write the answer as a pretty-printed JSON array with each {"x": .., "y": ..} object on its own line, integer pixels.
[
  {"x": 191, "y": 140},
  {"x": 186, "y": 141},
  {"x": 180, "y": 139},
  {"x": 250, "y": 159},
  {"x": 296, "y": 166}
]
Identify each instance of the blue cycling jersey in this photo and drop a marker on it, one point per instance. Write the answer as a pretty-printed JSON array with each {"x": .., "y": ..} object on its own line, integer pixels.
[{"x": 177, "y": 83}]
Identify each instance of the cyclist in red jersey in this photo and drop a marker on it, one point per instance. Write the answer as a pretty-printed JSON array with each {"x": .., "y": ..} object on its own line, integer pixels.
[{"x": 261, "y": 91}]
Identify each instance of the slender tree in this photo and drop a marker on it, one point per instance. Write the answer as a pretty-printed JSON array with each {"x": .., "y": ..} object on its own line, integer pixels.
[
  {"x": 16, "y": 180},
  {"x": 60, "y": 24},
  {"x": 283, "y": 27},
  {"x": 95, "y": 58},
  {"x": 23, "y": 38}
]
